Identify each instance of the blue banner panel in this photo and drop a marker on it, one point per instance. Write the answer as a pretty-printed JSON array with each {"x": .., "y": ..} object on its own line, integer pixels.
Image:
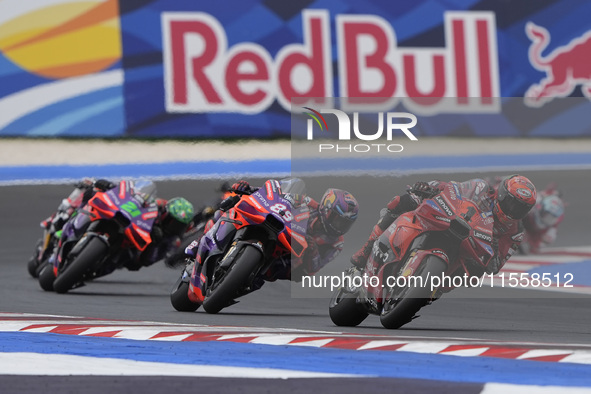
[{"x": 230, "y": 69}]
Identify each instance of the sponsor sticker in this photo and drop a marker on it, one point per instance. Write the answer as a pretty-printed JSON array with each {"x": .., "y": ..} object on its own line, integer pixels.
[{"x": 443, "y": 205}]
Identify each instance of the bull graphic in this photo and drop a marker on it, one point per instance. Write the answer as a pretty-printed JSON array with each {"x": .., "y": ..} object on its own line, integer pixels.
[{"x": 566, "y": 67}]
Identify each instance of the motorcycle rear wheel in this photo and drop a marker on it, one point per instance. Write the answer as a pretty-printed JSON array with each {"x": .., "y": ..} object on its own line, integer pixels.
[
  {"x": 95, "y": 250},
  {"x": 345, "y": 311},
  {"x": 235, "y": 278},
  {"x": 410, "y": 299},
  {"x": 46, "y": 277}
]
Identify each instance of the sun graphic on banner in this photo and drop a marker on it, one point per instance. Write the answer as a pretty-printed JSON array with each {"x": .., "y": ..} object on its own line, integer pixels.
[{"x": 66, "y": 39}]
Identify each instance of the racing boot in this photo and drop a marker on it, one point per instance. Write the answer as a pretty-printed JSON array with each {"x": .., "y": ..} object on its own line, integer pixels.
[{"x": 359, "y": 258}]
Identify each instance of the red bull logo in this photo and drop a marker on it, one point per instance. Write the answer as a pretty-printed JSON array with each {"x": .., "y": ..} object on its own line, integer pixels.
[
  {"x": 203, "y": 74},
  {"x": 330, "y": 199},
  {"x": 566, "y": 67}
]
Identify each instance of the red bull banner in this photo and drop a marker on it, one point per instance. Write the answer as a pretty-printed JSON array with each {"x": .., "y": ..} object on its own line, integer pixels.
[{"x": 186, "y": 69}]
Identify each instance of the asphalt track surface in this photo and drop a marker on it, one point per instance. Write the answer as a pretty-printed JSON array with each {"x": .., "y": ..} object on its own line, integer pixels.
[{"x": 494, "y": 314}]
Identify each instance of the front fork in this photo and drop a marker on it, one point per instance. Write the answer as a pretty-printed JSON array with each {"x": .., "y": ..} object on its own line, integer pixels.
[
  {"x": 192, "y": 271},
  {"x": 196, "y": 277},
  {"x": 197, "y": 271},
  {"x": 354, "y": 284},
  {"x": 373, "y": 297}
]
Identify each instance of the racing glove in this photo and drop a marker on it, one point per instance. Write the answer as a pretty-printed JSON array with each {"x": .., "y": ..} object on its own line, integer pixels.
[
  {"x": 229, "y": 202},
  {"x": 204, "y": 214},
  {"x": 423, "y": 190},
  {"x": 296, "y": 200},
  {"x": 496, "y": 263},
  {"x": 242, "y": 187}
]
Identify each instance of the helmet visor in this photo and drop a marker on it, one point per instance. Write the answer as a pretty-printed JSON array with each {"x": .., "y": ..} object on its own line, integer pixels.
[
  {"x": 513, "y": 207},
  {"x": 337, "y": 223}
]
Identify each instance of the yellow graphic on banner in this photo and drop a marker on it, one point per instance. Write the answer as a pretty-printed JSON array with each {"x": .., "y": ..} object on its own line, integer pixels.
[{"x": 64, "y": 40}]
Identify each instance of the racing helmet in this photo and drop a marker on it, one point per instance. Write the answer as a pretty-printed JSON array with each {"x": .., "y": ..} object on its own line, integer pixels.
[
  {"x": 338, "y": 211},
  {"x": 145, "y": 189},
  {"x": 179, "y": 213},
  {"x": 516, "y": 195},
  {"x": 551, "y": 210}
]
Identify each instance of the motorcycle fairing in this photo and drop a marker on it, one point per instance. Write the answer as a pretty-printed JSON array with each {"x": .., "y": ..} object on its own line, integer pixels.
[
  {"x": 265, "y": 207},
  {"x": 448, "y": 211},
  {"x": 121, "y": 205}
]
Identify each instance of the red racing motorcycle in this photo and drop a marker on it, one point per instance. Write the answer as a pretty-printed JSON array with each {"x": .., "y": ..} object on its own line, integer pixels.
[
  {"x": 447, "y": 236},
  {"x": 119, "y": 220},
  {"x": 240, "y": 247}
]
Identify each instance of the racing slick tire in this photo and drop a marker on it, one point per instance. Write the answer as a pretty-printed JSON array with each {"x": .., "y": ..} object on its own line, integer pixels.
[
  {"x": 344, "y": 310},
  {"x": 402, "y": 304},
  {"x": 95, "y": 250},
  {"x": 222, "y": 293},
  {"x": 46, "y": 277},
  {"x": 179, "y": 297}
]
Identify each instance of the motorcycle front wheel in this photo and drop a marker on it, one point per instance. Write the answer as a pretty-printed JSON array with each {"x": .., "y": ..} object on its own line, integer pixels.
[
  {"x": 344, "y": 310},
  {"x": 401, "y": 304},
  {"x": 179, "y": 297},
  {"x": 46, "y": 277},
  {"x": 225, "y": 288},
  {"x": 95, "y": 250}
]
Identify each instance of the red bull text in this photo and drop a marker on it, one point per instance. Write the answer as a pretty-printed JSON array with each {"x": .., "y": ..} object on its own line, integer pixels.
[{"x": 202, "y": 74}]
